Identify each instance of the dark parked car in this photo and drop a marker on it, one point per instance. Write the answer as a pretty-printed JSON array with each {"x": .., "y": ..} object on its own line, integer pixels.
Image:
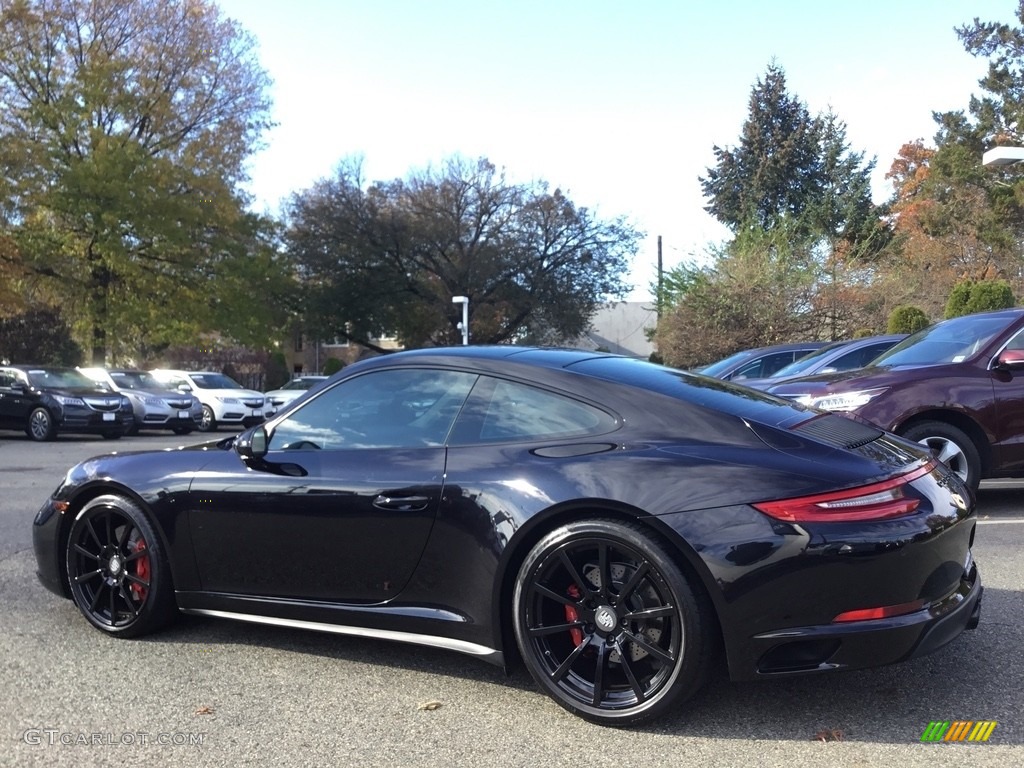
[
  {"x": 759, "y": 363},
  {"x": 847, "y": 355},
  {"x": 615, "y": 523},
  {"x": 44, "y": 401},
  {"x": 957, "y": 387}
]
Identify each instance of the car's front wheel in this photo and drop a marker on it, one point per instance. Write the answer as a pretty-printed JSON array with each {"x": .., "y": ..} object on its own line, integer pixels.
[
  {"x": 209, "y": 421},
  {"x": 41, "y": 426},
  {"x": 951, "y": 446},
  {"x": 607, "y": 623},
  {"x": 119, "y": 575}
]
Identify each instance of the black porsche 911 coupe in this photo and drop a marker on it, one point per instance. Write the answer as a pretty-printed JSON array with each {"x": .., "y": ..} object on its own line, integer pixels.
[{"x": 613, "y": 523}]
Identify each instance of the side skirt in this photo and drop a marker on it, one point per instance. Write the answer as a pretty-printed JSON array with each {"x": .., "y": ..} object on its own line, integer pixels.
[{"x": 461, "y": 646}]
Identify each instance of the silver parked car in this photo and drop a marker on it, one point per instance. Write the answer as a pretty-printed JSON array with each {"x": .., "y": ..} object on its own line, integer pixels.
[{"x": 155, "y": 405}]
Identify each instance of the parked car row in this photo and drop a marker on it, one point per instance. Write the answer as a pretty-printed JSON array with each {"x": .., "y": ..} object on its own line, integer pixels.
[
  {"x": 44, "y": 401},
  {"x": 956, "y": 387}
]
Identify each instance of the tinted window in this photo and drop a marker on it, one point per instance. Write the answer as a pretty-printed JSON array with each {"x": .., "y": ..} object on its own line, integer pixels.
[
  {"x": 502, "y": 411},
  {"x": 859, "y": 357},
  {"x": 765, "y": 366},
  {"x": 807, "y": 361},
  {"x": 405, "y": 408},
  {"x": 723, "y": 365},
  {"x": 951, "y": 341}
]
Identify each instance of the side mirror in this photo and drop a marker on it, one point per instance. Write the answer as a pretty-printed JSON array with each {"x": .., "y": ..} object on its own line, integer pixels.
[
  {"x": 1010, "y": 358},
  {"x": 184, "y": 388},
  {"x": 252, "y": 444}
]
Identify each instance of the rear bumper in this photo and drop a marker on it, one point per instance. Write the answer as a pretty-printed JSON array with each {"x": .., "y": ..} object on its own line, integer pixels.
[{"x": 863, "y": 644}]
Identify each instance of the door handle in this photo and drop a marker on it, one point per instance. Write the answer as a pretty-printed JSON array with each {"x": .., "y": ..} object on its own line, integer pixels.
[{"x": 401, "y": 503}]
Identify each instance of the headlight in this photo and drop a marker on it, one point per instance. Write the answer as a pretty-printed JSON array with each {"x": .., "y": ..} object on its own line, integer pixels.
[
  {"x": 232, "y": 400},
  {"x": 69, "y": 400},
  {"x": 841, "y": 401}
]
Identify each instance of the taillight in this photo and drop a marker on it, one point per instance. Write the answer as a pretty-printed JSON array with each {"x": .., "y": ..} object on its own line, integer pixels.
[
  {"x": 882, "y": 612},
  {"x": 877, "y": 501}
]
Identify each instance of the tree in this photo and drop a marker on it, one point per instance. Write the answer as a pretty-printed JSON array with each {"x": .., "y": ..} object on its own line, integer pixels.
[
  {"x": 966, "y": 221},
  {"x": 388, "y": 257},
  {"x": 38, "y": 335},
  {"x": 969, "y": 297},
  {"x": 759, "y": 291},
  {"x": 907, "y": 319},
  {"x": 797, "y": 198},
  {"x": 125, "y": 125},
  {"x": 771, "y": 174}
]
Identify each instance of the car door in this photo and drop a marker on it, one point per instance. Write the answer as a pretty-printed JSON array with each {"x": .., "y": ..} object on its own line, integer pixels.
[
  {"x": 340, "y": 508},
  {"x": 15, "y": 402},
  {"x": 1008, "y": 391}
]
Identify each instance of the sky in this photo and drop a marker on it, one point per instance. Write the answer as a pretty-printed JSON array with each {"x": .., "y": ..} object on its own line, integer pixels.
[{"x": 617, "y": 104}]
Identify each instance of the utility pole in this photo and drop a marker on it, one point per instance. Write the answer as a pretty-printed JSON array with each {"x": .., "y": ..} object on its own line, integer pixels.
[{"x": 661, "y": 280}]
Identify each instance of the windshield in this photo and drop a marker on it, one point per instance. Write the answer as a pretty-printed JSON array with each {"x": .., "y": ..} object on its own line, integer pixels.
[
  {"x": 951, "y": 341},
  {"x": 135, "y": 380},
  {"x": 214, "y": 381},
  {"x": 42, "y": 378},
  {"x": 723, "y": 365},
  {"x": 306, "y": 383},
  {"x": 808, "y": 360}
]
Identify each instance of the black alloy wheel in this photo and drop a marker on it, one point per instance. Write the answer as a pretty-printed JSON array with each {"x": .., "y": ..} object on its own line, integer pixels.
[
  {"x": 41, "y": 426},
  {"x": 208, "y": 422},
  {"x": 119, "y": 576},
  {"x": 608, "y": 625}
]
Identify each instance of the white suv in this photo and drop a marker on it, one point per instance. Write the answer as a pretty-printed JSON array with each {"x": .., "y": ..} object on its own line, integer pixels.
[{"x": 224, "y": 400}]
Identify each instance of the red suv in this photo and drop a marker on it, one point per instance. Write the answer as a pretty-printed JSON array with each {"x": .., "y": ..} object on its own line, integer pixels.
[{"x": 957, "y": 387}]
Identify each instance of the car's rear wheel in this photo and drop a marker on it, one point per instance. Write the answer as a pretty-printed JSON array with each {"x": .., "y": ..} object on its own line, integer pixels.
[
  {"x": 208, "y": 423},
  {"x": 41, "y": 426},
  {"x": 951, "y": 446},
  {"x": 117, "y": 570},
  {"x": 607, "y": 623}
]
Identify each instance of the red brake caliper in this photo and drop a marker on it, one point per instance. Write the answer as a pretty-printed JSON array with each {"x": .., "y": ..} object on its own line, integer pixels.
[
  {"x": 571, "y": 614},
  {"x": 141, "y": 571}
]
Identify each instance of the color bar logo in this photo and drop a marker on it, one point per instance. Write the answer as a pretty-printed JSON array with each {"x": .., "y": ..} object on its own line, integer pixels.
[{"x": 958, "y": 730}]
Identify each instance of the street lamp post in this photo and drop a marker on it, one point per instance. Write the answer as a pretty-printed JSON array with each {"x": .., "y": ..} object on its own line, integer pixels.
[{"x": 464, "y": 325}]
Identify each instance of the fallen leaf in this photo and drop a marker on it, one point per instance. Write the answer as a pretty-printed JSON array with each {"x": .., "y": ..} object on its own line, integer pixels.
[
  {"x": 430, "y": 706},
  {"x": 204, "y": 710},
  {"x": 830, "y": 734}
]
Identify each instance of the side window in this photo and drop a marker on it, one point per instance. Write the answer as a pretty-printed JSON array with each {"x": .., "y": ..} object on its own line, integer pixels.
[
  {"x": 399, "y": 408},
  {"x": 765, "y": 366},
  {"x": 505, "y": 411},
  {"x": 859, "y": 358},
  {"x": 6, "y": 379},
  {"x": 1017, "y": 342}
]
